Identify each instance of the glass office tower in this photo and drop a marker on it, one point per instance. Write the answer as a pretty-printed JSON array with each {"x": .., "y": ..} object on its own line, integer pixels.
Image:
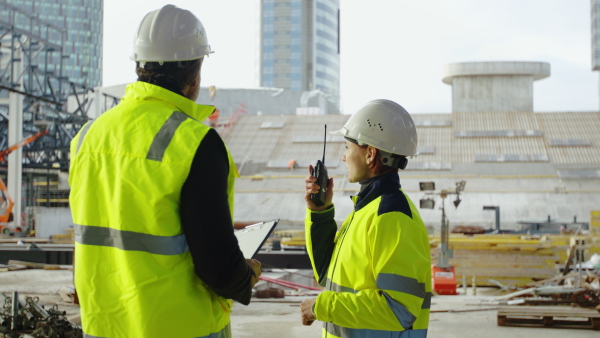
[
  {"x": 595, "y": 10},
  {"x": 300, "y": 45},
  {"x": 81, "y": 21},
  {"x": 595, "y": 21}
]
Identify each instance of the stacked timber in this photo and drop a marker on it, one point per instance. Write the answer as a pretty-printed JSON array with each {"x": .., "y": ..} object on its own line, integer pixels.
[
  {"x": 549, "y": 316},
  {"x": 510, "y": 259}
]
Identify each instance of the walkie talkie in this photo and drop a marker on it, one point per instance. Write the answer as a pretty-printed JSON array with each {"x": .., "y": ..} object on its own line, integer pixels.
[{"x": 320, "y": 172}]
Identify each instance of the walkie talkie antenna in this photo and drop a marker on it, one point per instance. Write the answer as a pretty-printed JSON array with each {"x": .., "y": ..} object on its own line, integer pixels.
[{"x": 324, "y": 144}]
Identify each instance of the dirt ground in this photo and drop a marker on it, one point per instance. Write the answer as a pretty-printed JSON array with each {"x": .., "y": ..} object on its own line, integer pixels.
[{"x": 276, "y": 318}]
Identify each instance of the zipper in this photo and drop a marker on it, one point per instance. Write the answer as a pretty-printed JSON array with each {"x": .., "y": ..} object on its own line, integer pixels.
[{"x": 341, "y": 238}]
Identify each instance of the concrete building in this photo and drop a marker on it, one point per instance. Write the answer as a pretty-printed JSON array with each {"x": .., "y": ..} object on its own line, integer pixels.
[
  {"x": 552, "y": 172},
  {"x": 268, "y": 101},
  {"x": 232, "y": 101},
  {"x": 81, "y": 22},
  {"x": 534, "y": 167},
  {"x": 300, "y": 46},
  {"x": 493, "y": 86}
]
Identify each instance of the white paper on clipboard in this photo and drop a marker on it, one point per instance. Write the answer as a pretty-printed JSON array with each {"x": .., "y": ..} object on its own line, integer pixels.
[{"x": 252, "y": 237}]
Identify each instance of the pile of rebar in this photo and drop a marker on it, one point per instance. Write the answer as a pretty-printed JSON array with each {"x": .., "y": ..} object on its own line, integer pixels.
[{"x": 31, "y": 320}]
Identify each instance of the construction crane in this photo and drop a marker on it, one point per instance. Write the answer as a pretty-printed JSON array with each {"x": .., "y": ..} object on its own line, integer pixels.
[{"x": 6, "y": 202}]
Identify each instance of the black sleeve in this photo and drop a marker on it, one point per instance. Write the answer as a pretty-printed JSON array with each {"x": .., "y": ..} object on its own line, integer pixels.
[
  {"x": 322, "y": 235},
  {"x": 208, "y": 226}
]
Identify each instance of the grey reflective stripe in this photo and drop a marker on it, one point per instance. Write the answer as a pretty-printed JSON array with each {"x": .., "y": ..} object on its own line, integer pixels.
[
  {"x": 426, "y": 301},
  {"x": 329, "y": 285},
  {"x": 224, "y": 333},
  {"x": 404, "y": 316},
  {"x": 130, "y": 240},
  {"x": 345, "y": 332},
  {"x": 84, "y": 131},
  {"x": 85, "y": 335},
  {"x": 165, "y": 135},
  {"x": 388, "y": 281}
]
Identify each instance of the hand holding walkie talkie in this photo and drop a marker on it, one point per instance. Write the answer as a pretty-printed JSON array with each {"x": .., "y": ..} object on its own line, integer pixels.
[{"x": 320, "y": 172}]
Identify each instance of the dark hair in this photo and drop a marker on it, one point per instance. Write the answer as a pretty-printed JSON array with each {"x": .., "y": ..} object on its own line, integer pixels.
[{"x": 173, "y": 76}]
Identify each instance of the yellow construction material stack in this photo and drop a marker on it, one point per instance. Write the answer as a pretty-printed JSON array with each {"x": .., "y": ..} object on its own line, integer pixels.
[
  {"x": 595, "y": 223},
  {"x": 506, "y": 258},
  {"x": 290, "y": 237},
  {"x": 67, "y": 238}
]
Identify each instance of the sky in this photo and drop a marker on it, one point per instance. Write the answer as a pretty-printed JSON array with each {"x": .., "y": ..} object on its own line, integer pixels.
[{"x": 393, "y": 49}]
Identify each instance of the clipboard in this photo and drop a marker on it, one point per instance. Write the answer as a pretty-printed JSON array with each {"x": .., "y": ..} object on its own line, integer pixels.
[{"x": 252, "y": 237}]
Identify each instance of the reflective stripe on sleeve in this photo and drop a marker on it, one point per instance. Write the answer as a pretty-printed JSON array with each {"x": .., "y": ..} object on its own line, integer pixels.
[
  {"x": 165, "y": 135},
  {"x": 130, "y": 240},
  {"x": 388, "y": 281},
  {"x": 338, "y": 288},
  {"x": 427, "y": 301},
  {"x": 329, "y": 285},
  {"x": 345, "y": 332},
  {"x": 225, "y": 333}
]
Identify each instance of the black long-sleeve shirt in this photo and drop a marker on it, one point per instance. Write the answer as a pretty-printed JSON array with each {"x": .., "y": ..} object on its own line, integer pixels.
[{"x": 207, "y": 223}]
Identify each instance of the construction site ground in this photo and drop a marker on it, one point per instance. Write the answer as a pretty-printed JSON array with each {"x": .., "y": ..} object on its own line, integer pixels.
[{"x": 463, "y": 315}]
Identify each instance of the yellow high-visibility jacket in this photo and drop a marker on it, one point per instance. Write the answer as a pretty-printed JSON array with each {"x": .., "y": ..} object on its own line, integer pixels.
[
  {"x": 376, "y": 268},
  {"x": 134, "y": 273}
]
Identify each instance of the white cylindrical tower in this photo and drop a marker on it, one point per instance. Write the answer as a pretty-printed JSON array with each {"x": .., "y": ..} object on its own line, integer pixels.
[{"x": 503, "y": 86}]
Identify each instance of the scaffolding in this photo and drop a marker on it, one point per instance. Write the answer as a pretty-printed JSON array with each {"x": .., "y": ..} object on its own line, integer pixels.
[{"x": 32, "y": 66}]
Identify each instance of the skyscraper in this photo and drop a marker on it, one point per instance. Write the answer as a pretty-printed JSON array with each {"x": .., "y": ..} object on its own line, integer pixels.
[
  {"x": 81, "y": 20},
  {"x": 595, "y": 20},
  {"x": 300, "y": 45}
]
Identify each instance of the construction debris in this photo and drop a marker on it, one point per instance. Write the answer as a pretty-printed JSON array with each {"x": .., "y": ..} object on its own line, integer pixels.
[
  {"x": 569, "y": 300},
  {"x": 574, "y": 289},
  {"x": 31, "y": 320},
  {"x": 270, "y": 293}
]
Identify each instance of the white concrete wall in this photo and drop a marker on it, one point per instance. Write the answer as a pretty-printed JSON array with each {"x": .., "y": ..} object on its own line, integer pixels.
[
  {"x": 497, "y": 93},
  {"x": 52, "y": 221},
  {"x": 499, "y": 86}
]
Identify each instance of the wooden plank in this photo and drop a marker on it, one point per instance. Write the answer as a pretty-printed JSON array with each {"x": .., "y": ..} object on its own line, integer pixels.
[
  {"x": 12, "y": 240},
  {"x": 549, "y": 316},
  {"x": 564, "y": 311},
  {"x": 33, "y": 265}
]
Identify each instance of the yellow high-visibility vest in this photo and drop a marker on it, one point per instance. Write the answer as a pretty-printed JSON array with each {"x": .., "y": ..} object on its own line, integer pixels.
[{"x": 134, "y": 273}]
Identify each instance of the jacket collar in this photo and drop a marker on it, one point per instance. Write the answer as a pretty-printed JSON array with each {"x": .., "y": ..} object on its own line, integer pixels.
[
  {"x": 386, "y": 183},
  {"x": 145, "y": 91}
]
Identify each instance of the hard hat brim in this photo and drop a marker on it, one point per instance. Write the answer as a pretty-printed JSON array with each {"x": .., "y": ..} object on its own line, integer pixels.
[{"x": 343, "y": 131}]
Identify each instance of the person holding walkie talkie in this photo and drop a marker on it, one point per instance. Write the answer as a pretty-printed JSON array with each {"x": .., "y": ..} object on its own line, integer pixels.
[{"x": 376, "y": 269}]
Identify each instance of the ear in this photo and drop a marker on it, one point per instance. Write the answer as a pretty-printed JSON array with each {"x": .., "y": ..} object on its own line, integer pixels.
[
  {"x": 196, "y": 81},
  {"x": 371, "y": 153}
]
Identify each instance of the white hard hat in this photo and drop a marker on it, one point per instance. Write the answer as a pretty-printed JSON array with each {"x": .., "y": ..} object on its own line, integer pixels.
[
  {"x": 385, "y": 125},
  {"x": 170, "y": 34}
]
